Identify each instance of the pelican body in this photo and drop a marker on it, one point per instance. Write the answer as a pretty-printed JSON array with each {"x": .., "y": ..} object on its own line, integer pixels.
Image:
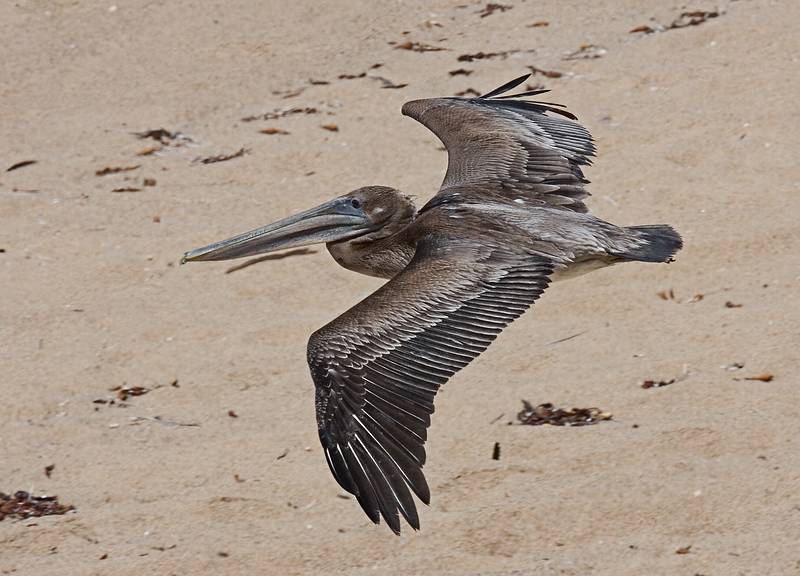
[{"x": 508, "y": 218}]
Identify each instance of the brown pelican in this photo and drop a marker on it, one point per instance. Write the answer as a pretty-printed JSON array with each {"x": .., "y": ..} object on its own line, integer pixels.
[{"x": 508, "y": 218}]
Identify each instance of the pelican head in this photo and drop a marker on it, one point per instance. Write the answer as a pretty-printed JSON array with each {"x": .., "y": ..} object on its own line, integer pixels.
[{"x": 370, "y": 212}]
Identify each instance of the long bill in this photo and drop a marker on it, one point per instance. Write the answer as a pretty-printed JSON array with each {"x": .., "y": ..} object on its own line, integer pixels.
[{"x": 329, "y": 222}]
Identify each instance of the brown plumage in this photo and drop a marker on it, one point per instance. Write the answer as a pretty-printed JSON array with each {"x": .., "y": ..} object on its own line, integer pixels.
[{"x": 508, "y": 218}]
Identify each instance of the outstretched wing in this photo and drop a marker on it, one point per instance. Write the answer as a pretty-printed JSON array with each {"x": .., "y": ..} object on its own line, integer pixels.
[
  {"x": 507, "y": 146},
  {"x": 377, "y": 367}
]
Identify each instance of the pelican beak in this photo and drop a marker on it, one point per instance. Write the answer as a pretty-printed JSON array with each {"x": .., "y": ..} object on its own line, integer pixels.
[{"x": 329, "y": 222}]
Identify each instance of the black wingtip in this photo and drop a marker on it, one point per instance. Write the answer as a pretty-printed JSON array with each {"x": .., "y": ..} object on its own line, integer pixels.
[
  {"x": 506, "y": 87},
  {"x": 523, "y": 94},
  {"x": 546, "y": 106}
]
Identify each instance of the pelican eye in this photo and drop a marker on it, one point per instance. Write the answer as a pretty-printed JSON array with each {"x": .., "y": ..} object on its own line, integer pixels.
[{"x": 355, "y": 203}]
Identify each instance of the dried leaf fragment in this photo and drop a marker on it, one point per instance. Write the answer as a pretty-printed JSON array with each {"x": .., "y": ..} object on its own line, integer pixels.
[
  {"x": 539, "y": 24},
  {"x": 683, "y": 549},
  {"x": 148, "y": 150},
  {"x": 644, "y": 29},
  {"x": 666, "y": 294},
  {"x": 232, "y": 414},
  {"x": 273, "y": 131},
  {"x": 330, "y": 127},
  {"x": 765, "y": 377},
  {"x": 48, "y": 470}
]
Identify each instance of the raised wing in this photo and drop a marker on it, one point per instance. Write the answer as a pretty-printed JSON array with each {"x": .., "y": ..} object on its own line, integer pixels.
[
  {"x": 378, "y": 366},
  {"x": 510, "y": 147}
]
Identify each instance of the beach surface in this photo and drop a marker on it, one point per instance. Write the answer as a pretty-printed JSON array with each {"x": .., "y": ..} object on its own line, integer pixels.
[{"x": 172, "y": 405}]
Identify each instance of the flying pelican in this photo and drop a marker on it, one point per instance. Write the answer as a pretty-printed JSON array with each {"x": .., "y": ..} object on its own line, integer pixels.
[{"x": 508, "y": 218}]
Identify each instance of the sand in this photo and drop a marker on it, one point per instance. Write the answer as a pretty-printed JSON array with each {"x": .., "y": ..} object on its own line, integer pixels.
[{"x": 696, "y": 127}]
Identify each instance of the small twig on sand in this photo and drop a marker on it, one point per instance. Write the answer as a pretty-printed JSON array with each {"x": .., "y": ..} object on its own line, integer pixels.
[
  {"x": 160, "y": 420},
  {"x": 245, "y": 264},
  {"x": 567, "y": 338}
]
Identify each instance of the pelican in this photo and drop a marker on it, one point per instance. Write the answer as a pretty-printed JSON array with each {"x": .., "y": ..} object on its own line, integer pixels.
[{"x": 508, "y": 219}]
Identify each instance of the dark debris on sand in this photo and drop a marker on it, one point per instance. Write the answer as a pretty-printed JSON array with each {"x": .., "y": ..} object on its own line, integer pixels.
[
  {"x": 547, "y": 414},
  {"x": 24, "y": 505}
]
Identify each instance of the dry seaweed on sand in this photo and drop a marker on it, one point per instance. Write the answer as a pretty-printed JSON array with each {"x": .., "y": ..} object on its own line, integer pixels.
[
  {"x": 531, "y": 415},
  {"x": 223, "y": 157},
  {"x": 124, "y": 391},
  {"x": 486, "y": 55},
  {"x": 389, "y": 84},
  {"x": 586, "y": 52},
  {"x": 693, "y": 18},
  {"x": 418, "y": 47},
  {"x": 546, "y": 73},
  {"x": 657, "y": 383},
  {"x": 686, "y": 19},
  {"x": 685, "y": 373},
  {"x": 115, "y": 169},
  {"x": 281, "y": 112},
  {"x": 162, "y": 136},
  {"x": 493, "y": 7},
  {"x": 24, "y": 505}
]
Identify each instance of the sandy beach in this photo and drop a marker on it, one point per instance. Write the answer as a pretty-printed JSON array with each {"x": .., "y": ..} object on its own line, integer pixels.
[{"x": 159, "y": 126}]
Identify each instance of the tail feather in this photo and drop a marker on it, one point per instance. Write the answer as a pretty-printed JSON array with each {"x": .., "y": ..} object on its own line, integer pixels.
[{"x": 661, "y": 242}]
